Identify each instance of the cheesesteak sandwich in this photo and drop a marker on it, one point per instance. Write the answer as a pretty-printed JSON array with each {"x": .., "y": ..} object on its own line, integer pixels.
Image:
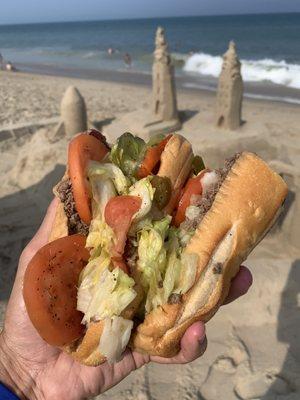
[{"x": 145, "y": 242}]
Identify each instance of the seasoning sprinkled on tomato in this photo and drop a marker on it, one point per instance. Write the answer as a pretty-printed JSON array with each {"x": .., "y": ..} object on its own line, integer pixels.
[
  {"x": 50, "y": 289},
  {"x": 118, "y": 214}
]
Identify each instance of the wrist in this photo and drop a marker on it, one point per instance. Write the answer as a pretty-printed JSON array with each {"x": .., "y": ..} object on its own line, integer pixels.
[{"x": 15, "y": 376}]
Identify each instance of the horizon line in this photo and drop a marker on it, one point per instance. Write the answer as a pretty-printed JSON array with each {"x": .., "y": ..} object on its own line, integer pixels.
[{"x": 146, "y": 18}]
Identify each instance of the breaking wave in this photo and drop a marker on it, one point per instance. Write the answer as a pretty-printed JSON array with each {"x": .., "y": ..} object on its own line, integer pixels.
[{"x": 279, "y": 72}]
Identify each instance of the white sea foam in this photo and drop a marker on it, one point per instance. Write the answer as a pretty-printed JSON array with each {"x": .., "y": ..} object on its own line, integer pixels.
[
  {"x": 279, "y": 72},
  {"x": 90, "y": 54},
  {"x": 284, "y": 99}
]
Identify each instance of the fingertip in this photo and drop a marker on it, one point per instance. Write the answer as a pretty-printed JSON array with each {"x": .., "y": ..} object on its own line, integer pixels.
[
  {"x": 195, "y": 332},
  {"x": 52, "y": 208},
  {"x": 193, "y": 343},
  {"x": 246, "y": 272},
  {"x": 42, "y": 235},
  {"x": 240, "y": 284},
  {"x": 245, "y": 279},
  {"x": 49, "y": 216}
]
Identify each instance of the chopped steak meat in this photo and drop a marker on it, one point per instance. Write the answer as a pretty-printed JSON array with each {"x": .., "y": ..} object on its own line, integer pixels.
[
  {"x": 205, "y": 202},
  {"x": 98, "y": 135},
  {"x": 131, "y": 253},
  {"x": 65, "y": 193},
  {"x": 175, "y": 298},
  {"x": 228, "y": 165},
  {"x": 75, "y": 224}
]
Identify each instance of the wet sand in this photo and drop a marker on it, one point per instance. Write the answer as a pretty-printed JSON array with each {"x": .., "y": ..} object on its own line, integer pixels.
[{"x": 256, "y": 90}]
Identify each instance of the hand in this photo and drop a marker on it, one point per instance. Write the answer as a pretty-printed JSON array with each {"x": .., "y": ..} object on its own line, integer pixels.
[{"x": 36, "y": 370}]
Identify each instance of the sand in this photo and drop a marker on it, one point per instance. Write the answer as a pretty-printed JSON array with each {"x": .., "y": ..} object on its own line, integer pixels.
[{"x": 253, "y": 350}]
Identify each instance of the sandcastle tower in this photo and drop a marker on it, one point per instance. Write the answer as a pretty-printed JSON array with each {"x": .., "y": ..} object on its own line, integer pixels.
[
  {"x": 164, "y": 92},
  {"x": 73, "y": 116},
  {"x": 73, "y": 112},
  {"x": 162, "y": 117},
  {"x": 230, "y": 91}
]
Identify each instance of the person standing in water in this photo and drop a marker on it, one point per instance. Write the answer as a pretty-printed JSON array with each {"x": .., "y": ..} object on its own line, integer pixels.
[{"x": 127, "y": 60}]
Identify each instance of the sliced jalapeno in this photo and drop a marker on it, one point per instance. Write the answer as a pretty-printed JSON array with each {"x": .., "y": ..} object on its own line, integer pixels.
[{"x": 163, "y": 191}]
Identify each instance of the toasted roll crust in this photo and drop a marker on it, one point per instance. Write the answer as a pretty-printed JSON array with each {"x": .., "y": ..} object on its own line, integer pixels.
[
  {"x": 176, "y": 163},
  {"x": 176, "y": 160},
  {"x": 244, "y": 209},
  {"x": 86, "y": 351},
  {"x": 60, "y": 224}
]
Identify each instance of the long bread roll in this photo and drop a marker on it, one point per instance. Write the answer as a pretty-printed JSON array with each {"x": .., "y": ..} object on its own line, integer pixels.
[{"x": 245, "y": 207}]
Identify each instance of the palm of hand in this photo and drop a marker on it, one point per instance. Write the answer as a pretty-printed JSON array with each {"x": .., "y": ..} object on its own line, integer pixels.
[{"x": 55, "y": 374}]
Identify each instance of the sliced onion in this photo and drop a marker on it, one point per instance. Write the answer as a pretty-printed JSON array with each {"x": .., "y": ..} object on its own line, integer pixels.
[
  {"x": 188, "y": 272},
  {"x": 192, "y": 212},
  {"x": 115, "y": 337},
  {"x": 209, "y": 180}
]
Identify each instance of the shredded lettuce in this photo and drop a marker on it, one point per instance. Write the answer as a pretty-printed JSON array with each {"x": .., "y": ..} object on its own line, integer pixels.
[
  {"x": 109, "y": 170},
  {"x": 152, "y": 260},
  {"x": 88, "y": 279},
  {"x": 172, "y": 275},
  {"x": 151, "y": 249},
  {"x": 103, "y": 190},
  {"x": 182, "y": 267},
  {"x": 104, "y": 293},
  {"x": 139, "y": 225},
  {"x": 115, "y": 337},
  {"x": 101, "y": 236},
  {"x": 145, "y": 191},
  {"x": 165, "y": 267},
  {"x": 106, "y": 181}
]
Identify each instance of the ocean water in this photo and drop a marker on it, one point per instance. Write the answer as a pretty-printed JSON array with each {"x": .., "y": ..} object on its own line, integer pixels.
[{"x": 268, "y": 45}]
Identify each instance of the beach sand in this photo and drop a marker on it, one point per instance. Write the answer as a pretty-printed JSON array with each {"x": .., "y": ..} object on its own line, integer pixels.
[{"x": 253, "y": 347}]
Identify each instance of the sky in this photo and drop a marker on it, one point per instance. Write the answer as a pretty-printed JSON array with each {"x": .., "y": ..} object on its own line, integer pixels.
[{"x": 26, "y": 11}]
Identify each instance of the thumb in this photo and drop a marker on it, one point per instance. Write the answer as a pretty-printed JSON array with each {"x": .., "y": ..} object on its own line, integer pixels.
[
  {"x": 193, "y": 343},
  {"x": 38, "y": 241},
  {"x": 42, "y": 235}
]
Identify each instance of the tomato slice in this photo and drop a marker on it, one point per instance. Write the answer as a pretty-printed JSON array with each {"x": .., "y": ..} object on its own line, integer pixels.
[
  {"x": 192, "y": 187},
  {"x": 118, "y": 214},
  {"x": 82, "y": 149},
  {"x": 118, "y": 262},
  {"x": 152, "y": 158},
  {"x": 50, "y": 289}
]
